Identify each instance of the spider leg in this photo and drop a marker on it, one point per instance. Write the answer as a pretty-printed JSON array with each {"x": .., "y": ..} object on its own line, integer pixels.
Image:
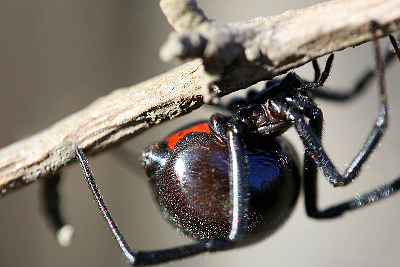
[
  {"x": 238, "y": 184},
  {"x": 363, "y": 81},
  {"x": 358, "y": 201},
  {"x": 310, "y": 183},
  {"x": 317, "y": 70},
  {"x": 315, "y": 156},
  {"x": 396, "y": 45},
  {"x": 321, "y": 78},
  {"x": 239, "y": 203},
  {"x": 313, "y": 146},
  {"x": 51, "y": 207},
  {"x": 315, "y": 150}
]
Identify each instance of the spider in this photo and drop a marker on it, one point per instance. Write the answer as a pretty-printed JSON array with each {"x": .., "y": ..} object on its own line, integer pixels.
[{"x": 234, "y": 180}]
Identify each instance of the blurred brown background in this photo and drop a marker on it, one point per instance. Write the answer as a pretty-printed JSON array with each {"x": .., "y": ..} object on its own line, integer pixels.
[{"x": 56, "y": 57}]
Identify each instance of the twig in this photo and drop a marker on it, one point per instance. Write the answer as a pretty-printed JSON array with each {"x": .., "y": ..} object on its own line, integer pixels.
[
  {"x": 236, "y": 56},
  {"x": 107, "y": 121},
  {"x": 262, "y": 48}
]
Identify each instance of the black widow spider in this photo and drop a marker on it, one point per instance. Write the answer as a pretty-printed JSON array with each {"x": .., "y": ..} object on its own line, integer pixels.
[{"x": 234, "y": 180}]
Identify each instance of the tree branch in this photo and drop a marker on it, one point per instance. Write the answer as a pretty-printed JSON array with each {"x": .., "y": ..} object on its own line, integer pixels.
[
  {"x": 260, "y": 49},
  {"x": 235, "y": 56}
]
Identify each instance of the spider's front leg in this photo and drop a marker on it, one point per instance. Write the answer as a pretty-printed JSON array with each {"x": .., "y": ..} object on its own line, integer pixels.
[
  {"x": 315, "y": 156},
  {"x": 363, "y": 80},
  {"x": 313, "y": 145},
  {"x": 314, "y": 132}
]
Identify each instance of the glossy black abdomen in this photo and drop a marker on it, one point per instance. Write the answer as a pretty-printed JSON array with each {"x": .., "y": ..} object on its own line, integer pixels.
[
  {"x": 191, "y": 184},
  {"x": 274, "y": 185}
]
